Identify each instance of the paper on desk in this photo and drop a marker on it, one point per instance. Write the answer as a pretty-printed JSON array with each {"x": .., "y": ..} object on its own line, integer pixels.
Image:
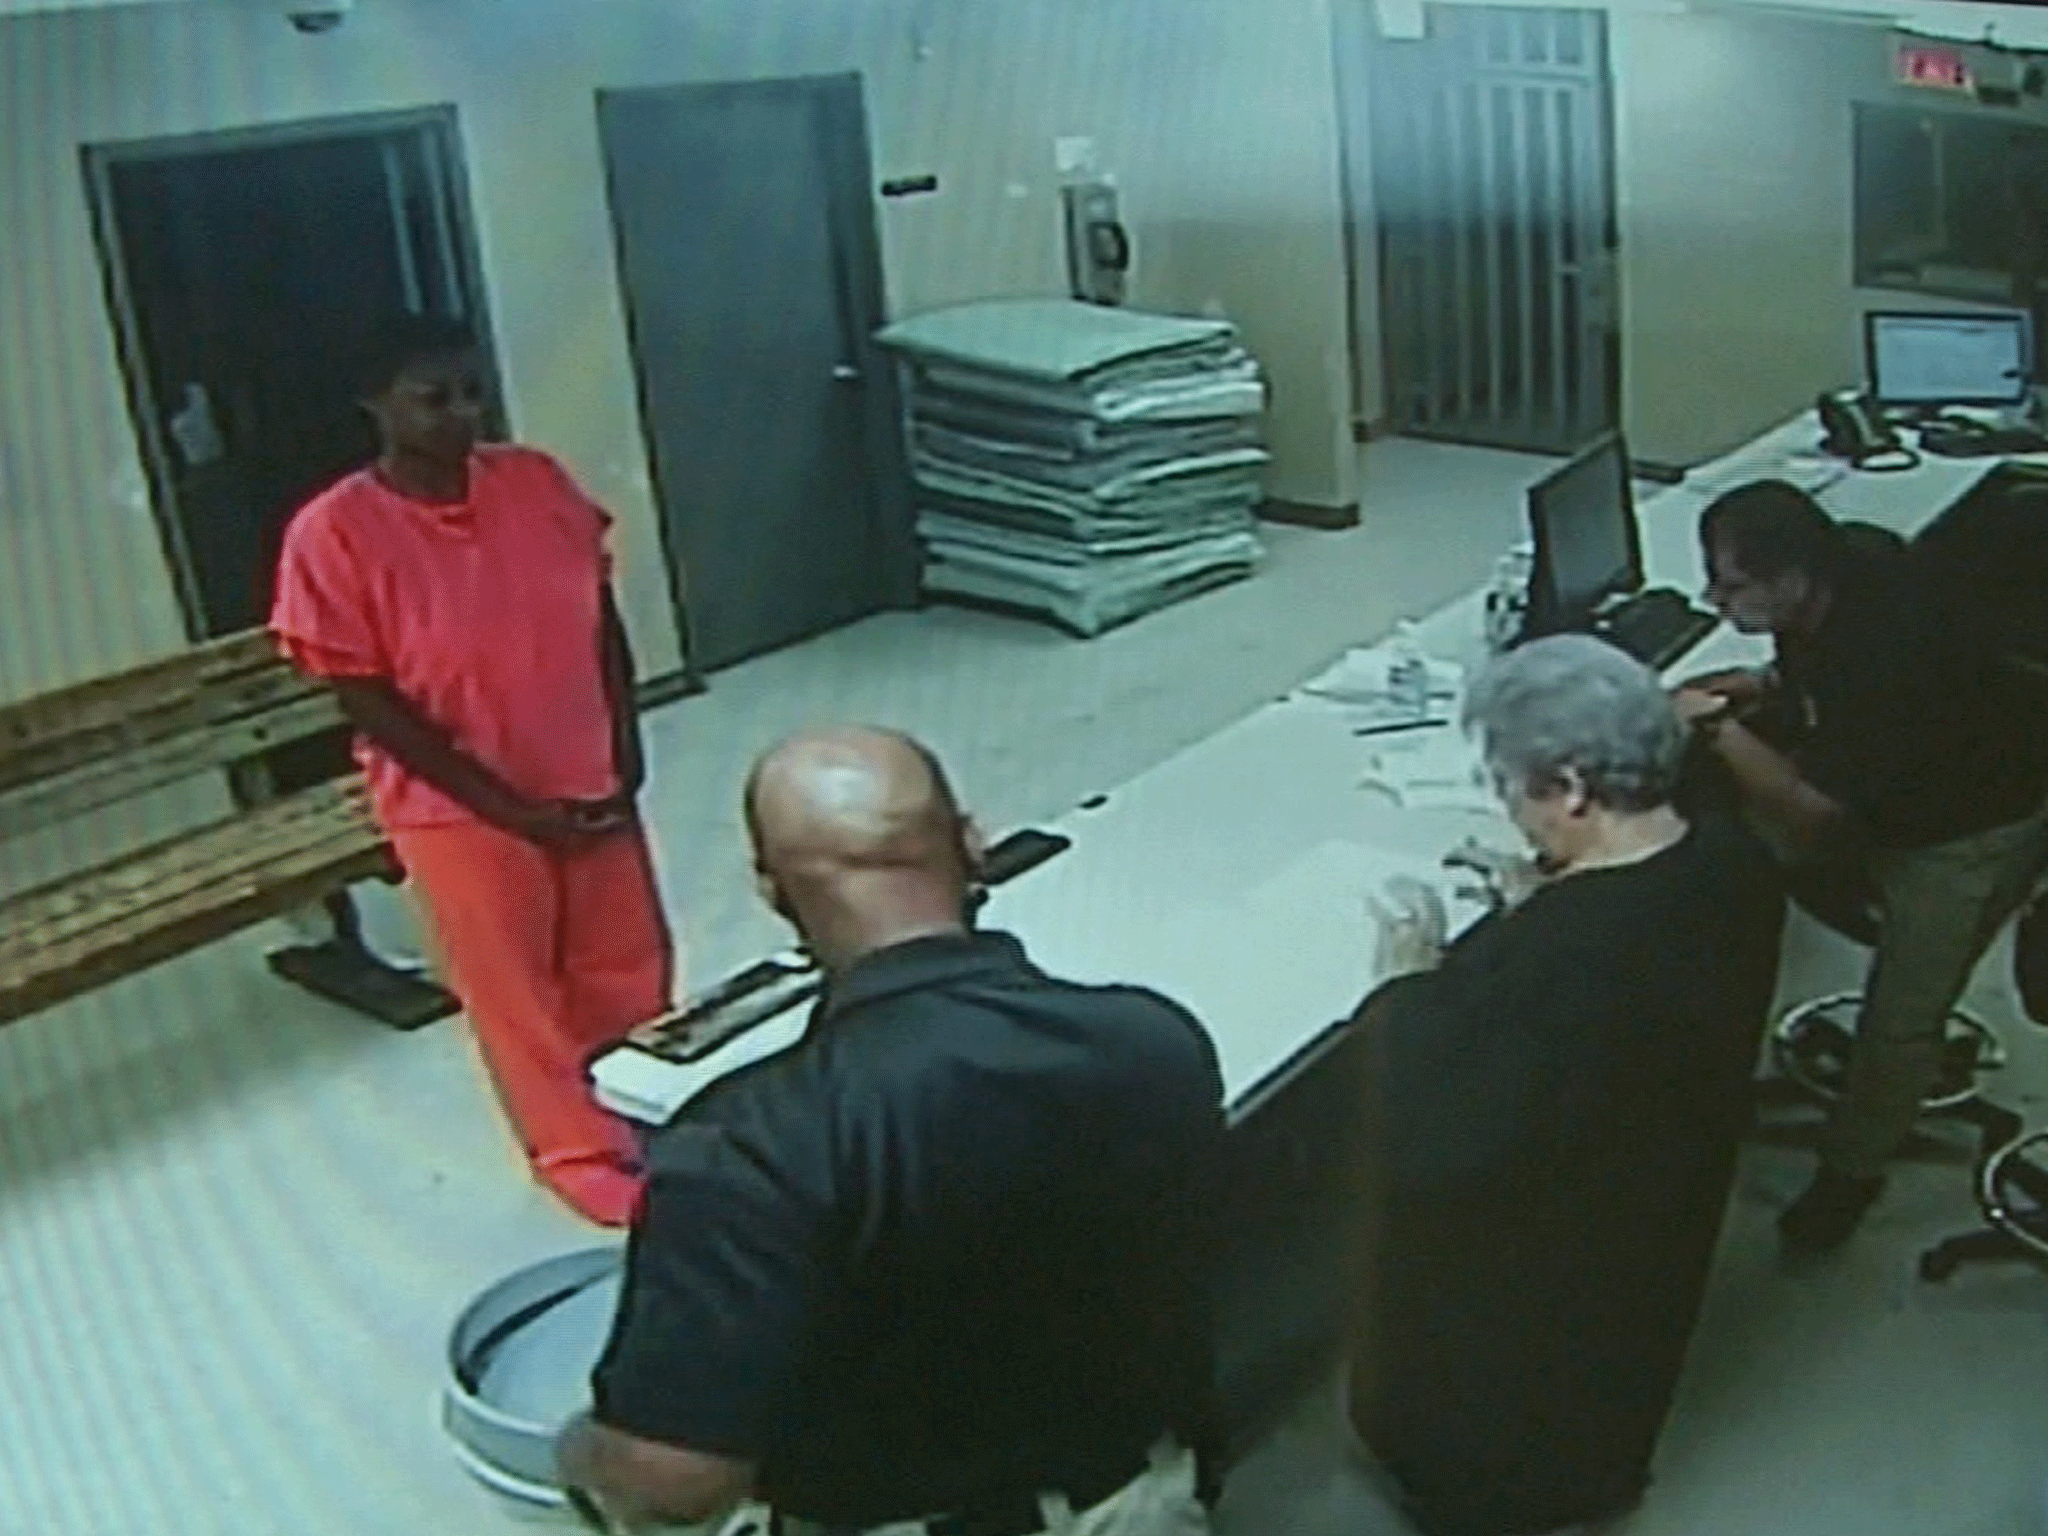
[
  {"x": 1334, "y": 883},
  {"x": 1436, "y": 769},
  {"x": 1361, "y": 683},
  {"x": 1811, "y": 472}
]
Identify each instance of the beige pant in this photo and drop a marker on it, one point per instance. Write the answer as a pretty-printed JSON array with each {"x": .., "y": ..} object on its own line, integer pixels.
[
  {"x": 1942, "y": 906},
  {"x": 1159, "y": 1501}
]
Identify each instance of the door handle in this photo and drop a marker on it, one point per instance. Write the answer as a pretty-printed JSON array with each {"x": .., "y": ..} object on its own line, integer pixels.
[{"x": 845, "y": 373}]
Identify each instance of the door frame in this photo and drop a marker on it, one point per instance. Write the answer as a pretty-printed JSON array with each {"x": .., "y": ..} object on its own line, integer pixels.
[
  {"x": 840, "y": 102},
  {"x": 443, "y": 132}
]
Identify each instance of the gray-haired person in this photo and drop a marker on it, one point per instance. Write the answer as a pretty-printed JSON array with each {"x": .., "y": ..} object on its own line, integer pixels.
[{"x": 1556, "y": 1101}]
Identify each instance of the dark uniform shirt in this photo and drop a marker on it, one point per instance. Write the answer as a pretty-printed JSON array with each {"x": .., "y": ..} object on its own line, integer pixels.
[
  {"x": 1557, "y": 1109},
  {"x": 936, "y": 1255},
  {"x": 1910, "y": 722}
]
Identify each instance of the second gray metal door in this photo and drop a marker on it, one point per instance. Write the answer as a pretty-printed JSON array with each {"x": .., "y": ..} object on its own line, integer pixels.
[
  {"x": 1494, "y": 187},
  {"x": 746, "y": 249}
]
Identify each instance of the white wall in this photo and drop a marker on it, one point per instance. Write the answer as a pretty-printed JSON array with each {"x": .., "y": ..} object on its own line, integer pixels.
[
  {"x": 1217, "y": 117},
  {"x": 1733, "y": 170}
]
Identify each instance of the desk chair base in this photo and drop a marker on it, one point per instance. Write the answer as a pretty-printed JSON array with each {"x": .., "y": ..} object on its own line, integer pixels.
[
  {"x": 2012, "y": 1191},
  {"x": 1810, "y": 1046}
]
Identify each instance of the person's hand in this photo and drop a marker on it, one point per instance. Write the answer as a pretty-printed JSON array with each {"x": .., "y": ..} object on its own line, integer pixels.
[
  {"x": 1506, "y": 879},
  {"x": 1739, "y": 686},
  {"x": 1412, "y": 927},
  {"x": 1696, "y": 706}
]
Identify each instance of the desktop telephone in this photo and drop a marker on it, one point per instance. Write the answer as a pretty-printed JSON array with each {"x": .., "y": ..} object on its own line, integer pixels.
[{"x": 1854, "y": 428}]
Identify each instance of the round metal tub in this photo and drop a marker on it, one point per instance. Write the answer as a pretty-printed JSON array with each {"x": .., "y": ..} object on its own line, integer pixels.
[{"x": 518, "y": 1368}]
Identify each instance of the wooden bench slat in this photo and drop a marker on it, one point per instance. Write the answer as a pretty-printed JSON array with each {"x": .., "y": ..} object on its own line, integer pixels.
[
  {"x": 27, "y": 992},
  {"x": 71, "y": 936},
  {"x": 111, "y": 699},
  {"x": 58, "y": 742},
  {"x": 82, "y": 748},
  {"x": 120, "y": 889},
  {"x": 95, "y": 782}
]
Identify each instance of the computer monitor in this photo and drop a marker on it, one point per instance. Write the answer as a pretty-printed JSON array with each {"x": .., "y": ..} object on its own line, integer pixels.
[
  {"x": 1985, "y": 358},
  {"x": 1582, "y": 518}
]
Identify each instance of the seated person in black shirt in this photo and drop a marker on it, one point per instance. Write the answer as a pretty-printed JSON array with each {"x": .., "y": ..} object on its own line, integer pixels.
[
  {"x": 1911, "y": 758},
  {"x": 934, "y": 1269},
  {"x": 1556, "y": 1104}
]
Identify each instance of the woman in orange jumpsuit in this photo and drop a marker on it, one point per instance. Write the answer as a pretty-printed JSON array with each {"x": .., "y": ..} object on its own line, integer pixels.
[{"x": 457, "y": 597}]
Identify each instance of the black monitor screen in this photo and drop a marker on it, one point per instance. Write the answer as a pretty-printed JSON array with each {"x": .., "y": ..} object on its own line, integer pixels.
[{"x": 1583, "y": 521}]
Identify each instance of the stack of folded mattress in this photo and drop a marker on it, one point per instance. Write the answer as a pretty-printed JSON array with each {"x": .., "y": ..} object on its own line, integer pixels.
[{"x": 1086, "y": 463}]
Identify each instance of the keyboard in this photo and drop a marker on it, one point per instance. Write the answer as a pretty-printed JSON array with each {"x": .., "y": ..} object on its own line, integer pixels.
[
  {"x": 1656, "y": 626},
  {"x": 1958, "y": 442}
]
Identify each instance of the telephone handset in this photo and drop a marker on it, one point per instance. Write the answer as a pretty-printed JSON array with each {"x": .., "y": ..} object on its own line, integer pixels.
[
  {"x": 1098, "y": 243},
  {"x": 1853, "y": 426},
  {"x": 1855, "y": 430},
  {"x": 1109, "y": 243}
]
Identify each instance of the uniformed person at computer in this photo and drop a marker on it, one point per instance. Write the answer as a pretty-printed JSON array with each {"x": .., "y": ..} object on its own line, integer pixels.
[
  {"x": 932, "y": 1270},
  {"x": 1913, "y": 759}
]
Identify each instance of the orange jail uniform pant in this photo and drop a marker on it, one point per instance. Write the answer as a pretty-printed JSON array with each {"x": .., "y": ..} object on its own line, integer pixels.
[{"x": 552, "y": 955}]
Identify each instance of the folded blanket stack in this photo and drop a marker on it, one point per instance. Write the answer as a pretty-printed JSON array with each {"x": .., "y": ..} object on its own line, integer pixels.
[{"x": 1086, "y": 463}]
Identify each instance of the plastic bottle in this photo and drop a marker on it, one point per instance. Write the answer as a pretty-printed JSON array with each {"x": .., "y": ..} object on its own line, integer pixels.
[
  {"x": 1507, "y": 599},
  {"x": 1408, "y": 674}
]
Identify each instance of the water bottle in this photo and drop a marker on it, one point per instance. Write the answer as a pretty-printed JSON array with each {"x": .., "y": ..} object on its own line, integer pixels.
[
  {"x": 1408, "y": 673},
  {"x": 1507, "y": 598}
]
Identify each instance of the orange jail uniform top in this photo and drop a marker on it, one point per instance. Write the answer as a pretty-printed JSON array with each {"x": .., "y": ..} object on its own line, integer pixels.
[{"x": 483, "y": 614}]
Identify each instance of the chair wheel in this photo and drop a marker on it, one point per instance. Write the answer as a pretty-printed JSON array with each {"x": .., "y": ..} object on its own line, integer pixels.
[{"x": 1811, "y": 1046}]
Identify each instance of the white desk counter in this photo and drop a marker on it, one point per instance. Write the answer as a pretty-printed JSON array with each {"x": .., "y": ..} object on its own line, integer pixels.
[{"x": 1234, "y": 876}]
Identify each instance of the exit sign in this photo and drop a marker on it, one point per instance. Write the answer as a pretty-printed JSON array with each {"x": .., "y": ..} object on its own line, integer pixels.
[{"x": 1942, "y": 69}]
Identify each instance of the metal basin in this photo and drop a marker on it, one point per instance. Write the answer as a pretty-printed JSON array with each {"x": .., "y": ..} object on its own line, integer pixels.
[{"x": 518, "y": 1368}]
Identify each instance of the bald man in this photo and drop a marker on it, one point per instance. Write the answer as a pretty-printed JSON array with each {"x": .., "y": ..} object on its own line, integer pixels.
[{"x": 934, "y": 1269}]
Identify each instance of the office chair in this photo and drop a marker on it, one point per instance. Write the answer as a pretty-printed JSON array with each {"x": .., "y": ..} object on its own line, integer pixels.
[
  {"x": 1811, "y": 1041},
  {"x": 2012, "y": 1191}
]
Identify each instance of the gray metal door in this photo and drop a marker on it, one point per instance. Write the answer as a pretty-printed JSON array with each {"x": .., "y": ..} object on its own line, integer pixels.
[
  {"x": 747, "y": 253},
  {"x": 1493, "y": 174}
]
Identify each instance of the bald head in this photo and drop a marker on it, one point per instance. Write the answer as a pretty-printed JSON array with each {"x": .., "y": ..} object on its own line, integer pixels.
[{"x": 851, "y": 796}]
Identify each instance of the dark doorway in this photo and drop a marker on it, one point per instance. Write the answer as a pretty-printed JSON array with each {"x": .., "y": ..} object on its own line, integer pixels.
[
  {"x": 752, "y": 278},
  {"x": 241, "y": 268}
]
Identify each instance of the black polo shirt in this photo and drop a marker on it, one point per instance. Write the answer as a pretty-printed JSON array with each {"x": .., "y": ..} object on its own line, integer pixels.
[
  {"x": 937, "y": 1254},
  {"x": 1911, "y": 723}
]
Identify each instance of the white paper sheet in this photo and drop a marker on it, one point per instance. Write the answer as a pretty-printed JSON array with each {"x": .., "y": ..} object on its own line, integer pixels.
[{"x": 1436, "y": 768}]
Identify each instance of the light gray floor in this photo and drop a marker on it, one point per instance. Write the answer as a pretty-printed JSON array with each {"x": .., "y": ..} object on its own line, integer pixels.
[{"x": 235, "y": 1224}]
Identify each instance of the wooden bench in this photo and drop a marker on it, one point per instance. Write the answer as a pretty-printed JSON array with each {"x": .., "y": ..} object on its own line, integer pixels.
[{"x": 82, "y": 750}]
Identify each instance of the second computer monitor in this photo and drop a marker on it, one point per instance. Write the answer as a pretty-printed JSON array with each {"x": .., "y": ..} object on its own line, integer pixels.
[
  {"x": 1930, "y": 360},
  {"x": 1582, "y": 519}
]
